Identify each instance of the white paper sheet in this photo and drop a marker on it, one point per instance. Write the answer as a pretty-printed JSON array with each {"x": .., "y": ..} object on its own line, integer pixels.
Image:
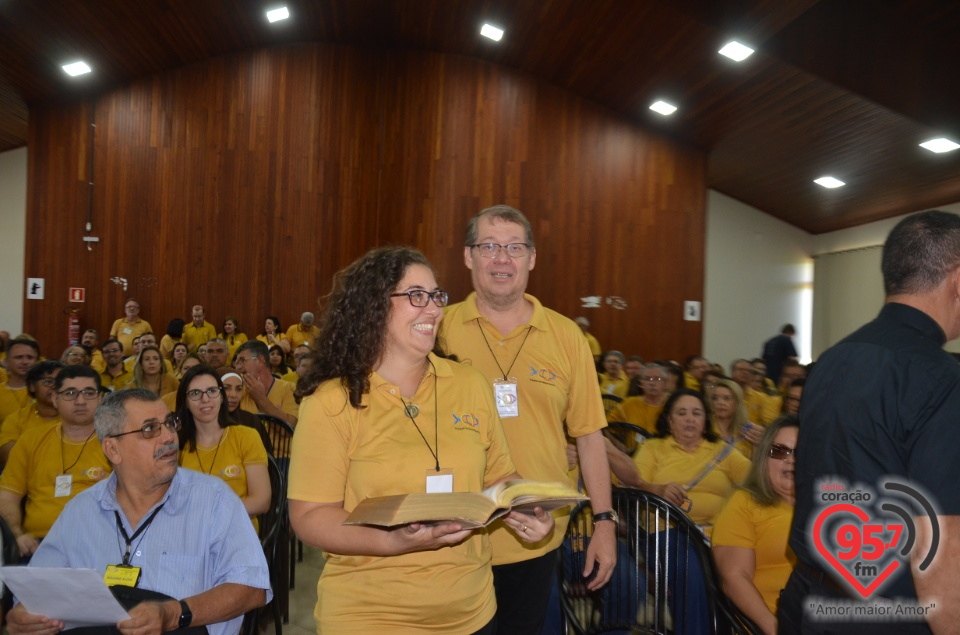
[{"x": 76, "y": 597}]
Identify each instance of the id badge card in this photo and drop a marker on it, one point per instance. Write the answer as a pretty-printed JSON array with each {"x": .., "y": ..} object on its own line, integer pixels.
[
  {"x": 121, "y": 575},
  {"x": 440, "y": 482},
  {"x": 505, "y": 393},
  {"x": 63, "y": 485}
]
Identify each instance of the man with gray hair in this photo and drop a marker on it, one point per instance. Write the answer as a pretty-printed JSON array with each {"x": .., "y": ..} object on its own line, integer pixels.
[
  {"x": 305, "y": 332},
  {"x": 881, "y": 406},
  {"x": 217, "y": 353},
  {"x": 180, "y": 534}
]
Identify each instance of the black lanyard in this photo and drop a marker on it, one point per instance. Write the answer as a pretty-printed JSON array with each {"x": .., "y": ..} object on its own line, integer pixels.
[
  {"x": 129, "y": 539},
  {"x": 495, "y": 361},
  {"x": 407, "y": 410}
]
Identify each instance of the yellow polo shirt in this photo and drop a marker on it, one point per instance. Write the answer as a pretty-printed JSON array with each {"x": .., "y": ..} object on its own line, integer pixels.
[
  {"x": 125, "y": 332},
  {"x": 37, "y": 459},
  {"x": 194, "y": 336},
  {"x": 638, "y": 412},
  {"x": 664, "y": 461},
  {"x": 297, "y": 336},
  {"x": 341, "y": 453},
  {"x": 744, "y": 522},
  {"x": 22, "y": 420},
  {"x": 619, "y": 387},
  {"x": 280, "y": 394},
  {"x": 116, "y": 383},
  {"x": 233, "y": 343},
  {"x": 557, "y": 397},
  {"x": 12, "y": 399}
]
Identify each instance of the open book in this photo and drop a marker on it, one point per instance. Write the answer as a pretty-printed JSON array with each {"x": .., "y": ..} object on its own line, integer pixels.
[{"x": 471, "y": 509}]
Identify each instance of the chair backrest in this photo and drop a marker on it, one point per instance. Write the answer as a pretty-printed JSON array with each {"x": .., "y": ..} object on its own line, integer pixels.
[
  {"x": 625, "y": 435},
  {"x": 610, "y": 401},
  {"x": 664, "y": 579},
  {"x": 280, "y": 433},
  {"x": 271, "y": 520}
]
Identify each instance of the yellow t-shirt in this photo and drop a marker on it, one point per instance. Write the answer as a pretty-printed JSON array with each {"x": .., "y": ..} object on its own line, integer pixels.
[
  {"x": 280, "y": 394},
  {"x": 166, "y": 347},
  {"x": 193, "y": 335},
  {"x": 619, "y": 387},
  {"x": 97, "y": 362},
  {"x": 278, "y": 336},
  {"x": 557, "y": 396},
  {"x": 762, "y": 408},
  {"x": 239, "y": 448},
  {"x": 594, "y": 344},
  {"x": 291, "y": 377},
  {"x": 341, "y": 453},
  {"x": 297, "y": 336},
  {"x": 128, "y": 365},
  {"x": 168, "y": 384},
  {"x": 12, "y": 399},
  {"x": 125, "y": 332},
  {"x": 691, "y": 382},
  {"x": 638, "y": 412},
  {"x": 233, "y": 343},
  {"x": 745, "y": 523},
  {"x": 18, "y": 422},
  {"x": 664, "y": 460},
  {"x": 37, "y": 459},
  {"x": 118, "y": 382}
]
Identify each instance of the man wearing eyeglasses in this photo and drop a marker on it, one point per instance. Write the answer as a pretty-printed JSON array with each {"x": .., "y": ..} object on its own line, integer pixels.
[
  {"x": 543, "y": 379},
  {"x": 50, "y": 464},
  {"x": 41, "y": 382},
  {"x": 116, "y": 375},
  {"x": 178, "y": 537},
  {"x": 265, "y": 393}
]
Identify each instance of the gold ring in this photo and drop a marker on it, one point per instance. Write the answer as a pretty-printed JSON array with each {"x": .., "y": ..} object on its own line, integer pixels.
[{"x": 523, "y": 528}]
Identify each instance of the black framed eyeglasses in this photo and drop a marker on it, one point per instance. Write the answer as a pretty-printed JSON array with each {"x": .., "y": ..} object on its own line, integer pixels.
[
  {"x": 152, "y": 427},
  {"x": 420, "y": 298},
  {"x": 71, "y": 394},
  {"x": 492, "y": 250},
  {"x": 781, "y": 452},
  {"x": 197, "y": 394}
]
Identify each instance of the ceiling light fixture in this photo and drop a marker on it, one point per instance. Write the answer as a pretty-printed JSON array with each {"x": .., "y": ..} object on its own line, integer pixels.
[
  {"x": 492, "y": 32},
  {"x": 736, "y": 51},
  {"x": 663, "y": 108},
  {"x": 275, "y": 15},
  {"x": 939, "y": 145},
  {"x": 76, "y": 68},
  {"x": 829, "y": 182}
]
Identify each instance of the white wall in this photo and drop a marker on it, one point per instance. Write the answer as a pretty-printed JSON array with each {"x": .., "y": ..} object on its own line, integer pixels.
[
  {"x": 13, "y": 234},
  {"x": 759, "y": 276}
]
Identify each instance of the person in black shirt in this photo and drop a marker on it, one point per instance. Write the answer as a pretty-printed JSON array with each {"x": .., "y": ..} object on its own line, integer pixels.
[
  {"x": 885, "y": 403},
  {"x": 777, "y": 350}
]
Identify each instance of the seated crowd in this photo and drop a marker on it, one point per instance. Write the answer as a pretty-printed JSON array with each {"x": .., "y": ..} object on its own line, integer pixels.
[
  {"x": 211, "y": 387},
  {"x": 722, "y": 449}
]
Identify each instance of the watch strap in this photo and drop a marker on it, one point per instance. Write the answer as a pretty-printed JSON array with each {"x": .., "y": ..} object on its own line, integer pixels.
[
  {"x": 186, "y": 616},
  {"x": 601, "y": 516}
]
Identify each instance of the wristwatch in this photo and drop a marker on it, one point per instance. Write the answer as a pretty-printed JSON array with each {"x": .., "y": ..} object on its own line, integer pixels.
[
  {"x": 610, "y": 515},
  {"x": 185, "y": 615}
]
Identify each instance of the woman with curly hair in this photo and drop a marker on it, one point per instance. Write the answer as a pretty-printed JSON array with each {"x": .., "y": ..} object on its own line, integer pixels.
[{"x": 375, "y": 421}]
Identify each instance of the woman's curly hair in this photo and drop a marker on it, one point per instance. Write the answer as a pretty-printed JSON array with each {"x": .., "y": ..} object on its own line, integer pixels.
[{"x": 353, "y": 325}]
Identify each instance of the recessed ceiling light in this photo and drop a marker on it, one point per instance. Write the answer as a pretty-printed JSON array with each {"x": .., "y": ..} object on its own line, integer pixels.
[
  {"x": 663, "y": 108},
  {"x": 76, "y": 68},
  {"x": 275, "y": 15},
  {"x": 829, "y": 182},
  {"x": 492, "y": 32},
  {"x": 939, "y": 145},
  {"x": 736, "y": 51}
]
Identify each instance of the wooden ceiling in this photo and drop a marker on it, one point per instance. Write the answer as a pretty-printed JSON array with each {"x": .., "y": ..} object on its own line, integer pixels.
[{"x": 841, "y": 87}]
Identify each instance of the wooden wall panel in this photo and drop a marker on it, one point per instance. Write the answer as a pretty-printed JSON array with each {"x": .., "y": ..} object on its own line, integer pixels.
[{"x": 244, "y": 182}]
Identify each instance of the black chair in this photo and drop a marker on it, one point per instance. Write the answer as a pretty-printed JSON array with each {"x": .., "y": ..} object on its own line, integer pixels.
[
  {"x": 610, "y": 401},
  {"x": 272, "y": 524},
  {"x": 626, "y": 436},
  {"x": 11, "y": 557},
  {"x": 281, "y": 434},
  {"x": 664, "y": 580}
]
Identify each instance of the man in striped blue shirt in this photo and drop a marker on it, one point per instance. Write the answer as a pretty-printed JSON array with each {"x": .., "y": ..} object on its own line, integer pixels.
[{"x": 163, "y": 529}]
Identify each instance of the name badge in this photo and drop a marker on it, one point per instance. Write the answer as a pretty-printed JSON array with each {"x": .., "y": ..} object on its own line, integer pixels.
[
  {"x": 63, "y": 486},
  {"x": 121, "y": 575},
  {"x": 440, "y": 482},
  {"x": 127, "y": 331},
  {"x": 505, "y": 393}
]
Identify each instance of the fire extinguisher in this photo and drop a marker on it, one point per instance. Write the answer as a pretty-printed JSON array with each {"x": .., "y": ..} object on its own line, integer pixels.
[{"x": 73, "y": 326}]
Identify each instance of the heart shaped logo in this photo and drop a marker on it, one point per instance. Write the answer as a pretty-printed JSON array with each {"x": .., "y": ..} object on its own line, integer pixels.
[{"x": 852, "y": 540}]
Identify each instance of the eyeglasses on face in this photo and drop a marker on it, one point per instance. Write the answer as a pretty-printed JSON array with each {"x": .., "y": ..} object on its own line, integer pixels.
[
  {"x": 47, "y": 382},
  {"x": 653, "y": 378},
  {"x": 781, "y": 452},
  {"x": 151, "y": 427},
  {"x": 240, "y": 361},
  {"x": 197, "y": 394},
  {"x": 112, "y": 351},
  {"x": 71, "y": 394},
  {"x": 420, "y": 298},
  {"x": 492, "y": 250}
]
